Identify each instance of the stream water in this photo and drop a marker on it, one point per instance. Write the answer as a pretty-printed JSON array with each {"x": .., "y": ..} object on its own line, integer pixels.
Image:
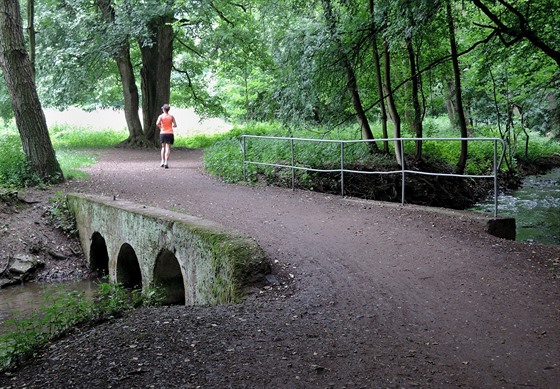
[
  {"x": 19, "y": 299},
  {"x": 535, "y": 207}
]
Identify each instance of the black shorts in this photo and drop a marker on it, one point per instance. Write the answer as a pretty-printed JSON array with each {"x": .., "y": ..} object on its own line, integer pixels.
[{"x": 167, "y": 138}]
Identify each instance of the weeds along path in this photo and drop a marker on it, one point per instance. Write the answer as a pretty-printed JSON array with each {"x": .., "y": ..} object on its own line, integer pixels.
[{"x": 380, "y": 295}]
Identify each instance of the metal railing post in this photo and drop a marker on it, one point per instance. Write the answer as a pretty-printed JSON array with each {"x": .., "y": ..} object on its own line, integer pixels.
[
  {"x": 342, "y": 168},
  {"x": 495, "y": 178},
  {"x": 293, "y": 164},
  {"x": 401, "y": 146},
  {"x": 243, "y": 145}
]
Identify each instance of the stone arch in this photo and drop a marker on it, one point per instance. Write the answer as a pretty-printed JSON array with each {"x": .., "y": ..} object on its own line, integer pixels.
[
  {"x": 169, "y": 278},
  {"x": 128, "y": 268},
  {"x": 98, "y": 255}
]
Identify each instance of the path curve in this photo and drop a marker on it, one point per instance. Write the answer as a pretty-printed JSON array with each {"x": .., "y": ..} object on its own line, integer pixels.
[{"x": 370, "y": 295}]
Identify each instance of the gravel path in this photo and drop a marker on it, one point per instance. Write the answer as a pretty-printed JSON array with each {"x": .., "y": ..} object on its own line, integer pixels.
[{"x": 369, "y": 295}]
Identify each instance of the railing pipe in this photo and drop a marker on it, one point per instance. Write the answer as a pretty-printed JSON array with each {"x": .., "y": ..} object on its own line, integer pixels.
[
  {"x": 342, "y": 168},
  {"x": 403, "y": 169},
  {"x": 496, "y": 163},
  {"x": 293, "y": 164},
  {"x": 243, "y": 145},
  {"x": 495, "y": 178}
]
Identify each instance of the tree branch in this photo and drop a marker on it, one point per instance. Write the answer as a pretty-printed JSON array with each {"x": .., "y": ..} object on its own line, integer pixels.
[
  {"x": 189, "y": 48},
  {"x": 191, "y": 87}
]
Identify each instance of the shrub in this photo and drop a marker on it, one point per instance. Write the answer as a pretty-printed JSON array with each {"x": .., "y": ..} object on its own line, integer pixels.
[{"x": 14, "y": 168}]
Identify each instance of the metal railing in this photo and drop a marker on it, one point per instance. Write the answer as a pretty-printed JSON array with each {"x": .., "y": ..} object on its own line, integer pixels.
[{"x": 403, "y": 171}]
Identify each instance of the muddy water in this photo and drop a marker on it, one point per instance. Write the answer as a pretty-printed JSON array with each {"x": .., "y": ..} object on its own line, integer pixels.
[
  {"x": 535, "y": 207},
  {"x": 31, "y": 296}
]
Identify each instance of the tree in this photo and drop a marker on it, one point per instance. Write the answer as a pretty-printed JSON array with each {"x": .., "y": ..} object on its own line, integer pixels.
[
  {"x": 392, "y": 106},
  {"x": 18, "y": 74},
  {"x": 378, "y": 78},
  {"x": 351, "y": 81},
  {"x": 458, "y": 91},
  {"x": 126, "y": 71}
]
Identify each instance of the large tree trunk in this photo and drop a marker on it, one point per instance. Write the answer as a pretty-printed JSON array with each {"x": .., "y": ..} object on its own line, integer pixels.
[
  {"x": 128, "y": 81},
  {"x": 417, "y": 117},
  {"x": 131, "y": 97},
  {"x": 351, "y": 82},
  {"x": 18, "y": 73},
  {"x": 377, "y": 68},
  {"x": 393, "y": 112},
  {"x": 157, "y": 62},
  {"x": 458, "y": 92}
]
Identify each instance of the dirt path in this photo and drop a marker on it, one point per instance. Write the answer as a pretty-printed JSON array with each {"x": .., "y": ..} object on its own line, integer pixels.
[{"x": 369, "y": 295}]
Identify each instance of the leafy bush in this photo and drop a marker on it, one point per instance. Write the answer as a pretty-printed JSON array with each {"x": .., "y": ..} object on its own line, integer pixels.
[{"x": 14, "y": 168}]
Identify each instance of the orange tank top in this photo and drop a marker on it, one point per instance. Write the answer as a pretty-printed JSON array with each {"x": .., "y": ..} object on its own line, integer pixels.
[{"x": 167, "y": 124}]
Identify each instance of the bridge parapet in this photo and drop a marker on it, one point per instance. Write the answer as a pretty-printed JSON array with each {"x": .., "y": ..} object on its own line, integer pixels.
[{"x": 195, "y": 261}]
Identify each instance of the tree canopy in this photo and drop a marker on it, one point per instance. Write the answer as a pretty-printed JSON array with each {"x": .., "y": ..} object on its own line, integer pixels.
[{"x": 328, "y": 61}]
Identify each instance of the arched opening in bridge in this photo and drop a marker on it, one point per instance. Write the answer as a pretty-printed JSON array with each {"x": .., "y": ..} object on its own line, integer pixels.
[
  {"x": 128, "y": 268},
  {"x": 98, "y": 255},
  {"x": 169, "y": 279}
]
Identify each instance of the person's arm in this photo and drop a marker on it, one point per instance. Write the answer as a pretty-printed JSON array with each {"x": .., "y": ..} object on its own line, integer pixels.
[
  {"x": 174, "y": 122},
  {"x": 158, "y": 123}
]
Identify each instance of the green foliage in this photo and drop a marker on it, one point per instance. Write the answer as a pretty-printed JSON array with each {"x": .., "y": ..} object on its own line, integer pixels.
[
  {"x": 225, "y": 157},
  {"x": 63, "y": 311},
  {"x": 14, "y": 168},
  {"x": 60, "y": 216},
  {"x": 539, "y": 147},
  {"x": 70, "y": 144}
]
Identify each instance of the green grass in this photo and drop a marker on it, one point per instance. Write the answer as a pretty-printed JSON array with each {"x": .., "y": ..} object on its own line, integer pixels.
[{"x": 77, "y": 138}]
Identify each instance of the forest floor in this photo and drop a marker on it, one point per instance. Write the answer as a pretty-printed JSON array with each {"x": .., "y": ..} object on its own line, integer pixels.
[{"x": 363, "y": 293}]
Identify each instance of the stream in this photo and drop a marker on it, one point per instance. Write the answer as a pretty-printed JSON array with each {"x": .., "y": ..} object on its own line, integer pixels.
[
  {"x": 535, "y": 207},
  {"x": 19, "y": 299}
]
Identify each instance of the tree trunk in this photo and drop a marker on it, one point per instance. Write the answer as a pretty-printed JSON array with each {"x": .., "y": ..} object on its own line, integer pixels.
[
  {"x": 395, "y": 118},
  {"x": 18, "y": 73},
  {"x": 128, "y": 81},
  {"x": 450, "y": 102},
  {"x": 417, "y": 118},
  {"x": 31, "y": 32},
  {"x": 157, "y": 63},
  {"x": 148, "y": 72},
  {"x": 377, "y": 68},
  {"x": 351, "y": 82},
  {"x": 458, "y": 97},
  {"x": 131, "y": 97}
]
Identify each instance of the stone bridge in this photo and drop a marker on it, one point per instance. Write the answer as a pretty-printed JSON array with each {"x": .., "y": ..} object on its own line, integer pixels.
[{"x": 193, "y": 261}]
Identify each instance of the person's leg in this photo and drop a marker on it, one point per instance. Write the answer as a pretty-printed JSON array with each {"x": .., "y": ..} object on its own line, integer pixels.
[
  {"x": 167, "y": 152},
  {"x": 162, "y": 154}
]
